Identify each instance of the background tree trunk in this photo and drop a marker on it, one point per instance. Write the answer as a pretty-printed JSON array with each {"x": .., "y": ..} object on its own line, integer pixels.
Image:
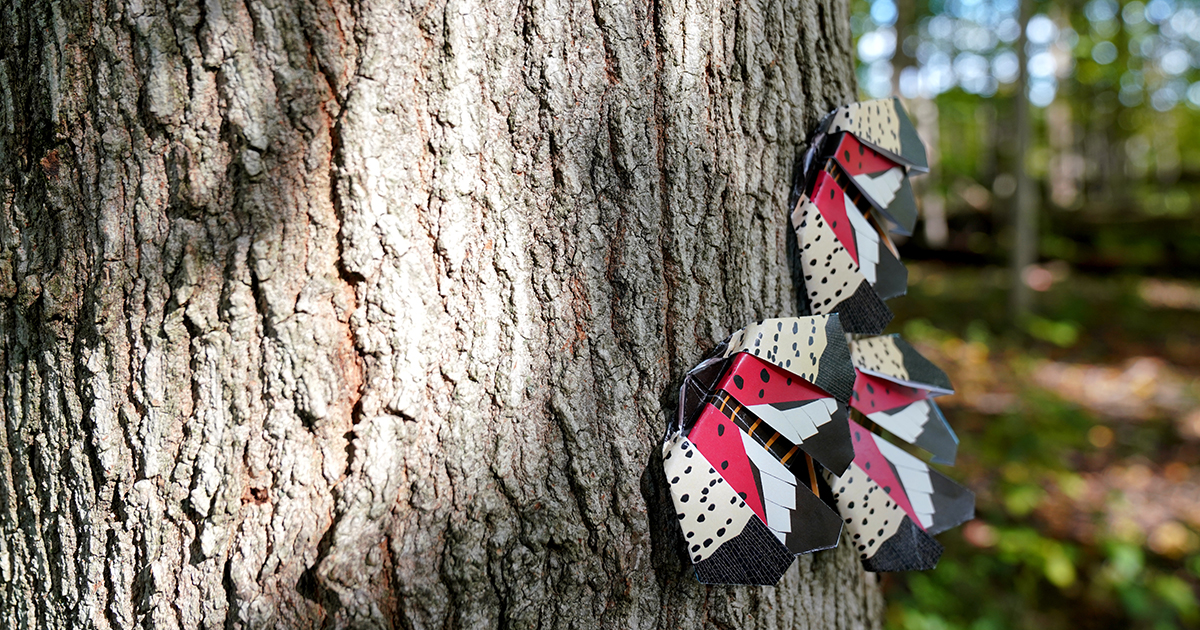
[
  {"x": 1025, "y": 199},
  {"x": 329, "y": 314}
]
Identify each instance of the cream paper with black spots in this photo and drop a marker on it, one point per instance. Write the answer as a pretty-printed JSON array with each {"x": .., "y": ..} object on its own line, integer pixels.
[
  {"x": 794, "y": 344},
  {"x": 830, "y": 273},
  {"x": 710, "y": 513},
  {"x": 880, "y": 356},
  {"x": 874, "y": 121},
  {"x": 871, "y": 516}
]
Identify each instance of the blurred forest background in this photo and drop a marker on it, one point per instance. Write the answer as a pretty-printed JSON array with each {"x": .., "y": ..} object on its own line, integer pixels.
[{"x": 1079, "y": 412}]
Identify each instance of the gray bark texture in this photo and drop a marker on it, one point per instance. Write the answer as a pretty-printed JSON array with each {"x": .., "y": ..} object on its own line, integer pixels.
[{"x": 327, "y": 313}]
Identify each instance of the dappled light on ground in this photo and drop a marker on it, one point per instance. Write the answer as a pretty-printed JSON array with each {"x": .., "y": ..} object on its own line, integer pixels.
[
  {"x": 1169, "y": 294},
  {"x": 1138, "y": 389},
  {"x": 1083, "y": 453}
]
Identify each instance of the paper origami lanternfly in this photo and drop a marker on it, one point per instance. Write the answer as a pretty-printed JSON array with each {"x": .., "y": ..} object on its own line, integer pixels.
[
  {"x": 894, "y": 388},
  {"x": 740, "y": 455},
  {"x": 763, "y": 460},
  {"x": 856, "y": 186}
]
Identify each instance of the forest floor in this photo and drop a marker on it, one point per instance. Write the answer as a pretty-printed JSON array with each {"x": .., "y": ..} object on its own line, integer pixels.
[{"x": 1080, "y": 435}]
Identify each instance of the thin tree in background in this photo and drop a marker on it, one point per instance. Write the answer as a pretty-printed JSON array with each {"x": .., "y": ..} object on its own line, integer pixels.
[{"x": 1024, "y": 198}]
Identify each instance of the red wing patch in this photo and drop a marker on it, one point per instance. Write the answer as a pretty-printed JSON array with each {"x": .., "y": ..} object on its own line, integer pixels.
[
  {"x": 872, "y": 394},
  {"x": 830, "y": 200},
  {"x": 877, "y": 467},
  {"x": 753, "y": 381},
  {"x": 720, "y": 441},
  {"x": 858, "y": 158}
]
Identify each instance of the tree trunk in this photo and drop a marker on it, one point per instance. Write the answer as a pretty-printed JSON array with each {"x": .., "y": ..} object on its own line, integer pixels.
[{"x": 329, "y": 314}]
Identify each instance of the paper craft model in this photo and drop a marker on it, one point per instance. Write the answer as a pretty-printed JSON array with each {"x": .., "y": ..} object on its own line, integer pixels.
[
  {"x": 891, "y": 501},
  {"x": 763, "y": 460},
  {"x": 740, "y": 455},
  {"x": 856, "y": 189}
]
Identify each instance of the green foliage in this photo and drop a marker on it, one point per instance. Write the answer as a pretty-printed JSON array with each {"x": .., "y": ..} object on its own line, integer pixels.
[
  {"x": 1063, "y": 334},
  {"x": 1115, "y": 88},
  {"x": 1044, "y": 551},
  {"x": 1072, "y": 420}
]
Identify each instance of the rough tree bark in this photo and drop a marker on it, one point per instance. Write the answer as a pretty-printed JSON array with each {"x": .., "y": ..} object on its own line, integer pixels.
[{"x": 321, "y": 313}]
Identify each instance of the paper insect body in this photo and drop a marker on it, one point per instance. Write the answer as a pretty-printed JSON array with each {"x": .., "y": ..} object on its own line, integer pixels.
[
  {"x": 895, "y": 388},
  {"x": 883, "y": 182},
  {"x": 798, "y": 410},
  {"x": 891, "y": 501},
  {"x": 909, "y": 413},
  {"x": 883, "y": 125},
  {"x": 762, "y": 450},
  {"x": 879, "y": 517},
  {"x": 740, "y": 455},
  {"x": 849, "y": 264},
  {"x": 856, "y": 186}
]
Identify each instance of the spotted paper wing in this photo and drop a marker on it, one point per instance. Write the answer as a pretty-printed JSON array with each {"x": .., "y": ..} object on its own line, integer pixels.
[
  {"x": 884, "y": 182},
  {"x": 768, "y": 472},
  {"x": 880, "y": 521},
  {"x": 849, "y": 264},
  {"x": 892, "y": 358},
  {"x": 807, "y": 416},
  {"x": 883, "y": 125},
  {"x": 874, "y": 252},
  {"x": 832, "y": 281},
  {"x": 909, "y": 413},
  {"x": 743, "y": 513},
  {"x": 728, "y": 542},
  {"x": 938, "y": 502},
  {"x": 812, "y": 348},
  {"x": 892, "y": 504}
]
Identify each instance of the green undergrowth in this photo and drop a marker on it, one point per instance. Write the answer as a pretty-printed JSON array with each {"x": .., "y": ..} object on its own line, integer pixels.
[{"x": 1083, "y": 514}]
